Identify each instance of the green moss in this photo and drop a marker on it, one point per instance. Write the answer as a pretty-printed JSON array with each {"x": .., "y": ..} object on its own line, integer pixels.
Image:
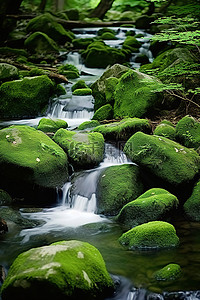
[
  {"x": 70, "y": 71},
  {"x": 108, "y": 36},
  {"x": 192, "y": 205},
  {"x": 99, "y": 87},
  {"x": 82, "y": 92},
  {"x": 118, "y": 185},
  {"x": 13, "y": 52},
  {"x": 39, "y": 42},
  {"x": 168, "y": 273},
  {"x": 135, "y": 96},
  {"x": 110, "y": 86},
  {"x": 188, "y": 132},
  {"x": 5, "y": 198},
  {"x": 131, "y": 43},
  {"x": 88, "y": 124},
  {"x": 155, "y": 204},
  {"x": 103, "y": 113},
  {"x": 151, "y": 235},
  {"x": 167, "y": 159},
  {"x": 84, "y": 149},
  {"x": 165, "y": 130},
  {"x": 8, "y": 72},
  {"x": 36, "y": 72},
  {"x": 51, "y": 125},
  {"x": 62, "y": 270},
  {"x": 82, "y": 43},
  {"x": 105, "y": 30},
  {"x": 47, "y": 24},
  {"x": 80, "y": 84},
  {"x": 123, "y": 130},
  {"x": 60, "y": 90},
  {"x": 26, "y": 97},
  {"x": 28, "y": 156},
  {"x": 167, "y": 122}
]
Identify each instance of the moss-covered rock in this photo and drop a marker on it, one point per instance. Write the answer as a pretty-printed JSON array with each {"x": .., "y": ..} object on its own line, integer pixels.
[
  {"x": 99, "y": 87},
  {"x": 155, "y": 204},
  {"x": 165, "y": 130},
  {"x": 123, "y": 130},
  {"x": 69, "y": 70},
  {"x": 99, "y": 55},
  {"x": 135, "y": 96},
  {"x": 82, "y": 43},
  {"x": 14, "y": 217},
  {"x": 62, "y": 270},
  {"x": 28, "y": 97},
  {"x": 105, "y": 30},
  {"x": 142, "y": 59},
  {"x": 170, "y": 272},
  {"x": 47, "y": 24},
  {"x": 163, "y": 158},
  {"x": 188, "y": 132},
  {"x": 110, "y": 86},
  {"x": 5, "y": 198},
  {"x": 13, "y": 52},
  {"x": 8, "y": 72},
  {"x": 108, "y": 36},
  {"x": 103, "y": 113},
  {"x": 151, "y": 235},
  {"x": 51, "y": 125},
  {"x": 40, "y": 43},
  {"x": 88, "y": 124},
  {"x": 30, "y": 159},
  {"x": 192, "y": 205},
  {"x": 80, "y": 84},
  {"x": 118, "y": 185},
  {"x": 82, "y": 92},
  {"x": 131, "y": 43},
  {"x": 59, "y": 90},
  {"x": 83, "y": 149}
]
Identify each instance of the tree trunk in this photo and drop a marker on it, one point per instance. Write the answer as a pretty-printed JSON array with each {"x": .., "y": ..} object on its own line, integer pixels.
[
  {"x": 58, "y": 5},
  {"x": 101, "y": 9},
  {"x": 42, "y": 5}
]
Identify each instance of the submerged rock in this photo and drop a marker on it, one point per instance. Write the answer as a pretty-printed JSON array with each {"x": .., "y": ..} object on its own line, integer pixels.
[
  {"x": 188, "y": 132},
  {"x": 192, "y": 205},
  {"x": 28, "y": 97},
  {"x": 103, "y": 113},
  {"x": 51, "y": 125},
  {"x": 118, "y": 185},
  {"x": 83, "y": 149},
  {"x": 30, "y": 160},
  {"x": 135, "y": 96},
  {"x": 155, "y": 204},
  {"x": 123, "y": 130},
  {"x": 62, "y": 270},
  {"x": 166, "y": 159},
  {"x": 168, "y": 273},
  {"x": 152, "y": 235}
]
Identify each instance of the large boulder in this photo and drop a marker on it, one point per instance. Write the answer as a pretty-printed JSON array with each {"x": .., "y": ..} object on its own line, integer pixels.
[
  {"x": 41, "y": 43},
  {"x": 51, "y": 125},
  {"x": 135, "y": 95},
  {"x": 28, "y": 97},
  {"x": 83, "y": 149},
  {"x": 99, "y": 87},
  {"x": 163, "y": 159},
  {"x": 99, "y": 55},
  {"x": 63, "y": 270},
  {"x": 151, "y": 235},
  {"x": 188, "y": 132},
  {"x": 47, "y": 24},
  {"x": 192, "y": 205},
  {"x": 8, "y": 72},
  {"x": 123, "y": 130},
  {"x": 155, "y": 204},
  {"x": 30, "y": 161},
  {"x": 118, "y": 185}
]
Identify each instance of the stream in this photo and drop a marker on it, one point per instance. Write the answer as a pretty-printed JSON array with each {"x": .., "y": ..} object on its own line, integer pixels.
[{"x": 74, "y": 215}]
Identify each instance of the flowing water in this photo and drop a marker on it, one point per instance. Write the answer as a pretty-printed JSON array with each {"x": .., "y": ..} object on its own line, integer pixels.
[{"x": 75, "y": 217}]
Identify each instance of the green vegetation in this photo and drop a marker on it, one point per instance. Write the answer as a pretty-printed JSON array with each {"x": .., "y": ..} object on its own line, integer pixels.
[
  {"x": 152, "y": 235},
  {"x": 123, "y": 130},
  {"x": 155, "y": 204},
  {"x": 83, "y": 149},
  {"x": 76, "y": 265},
  {"x": 118, "y": 185}
]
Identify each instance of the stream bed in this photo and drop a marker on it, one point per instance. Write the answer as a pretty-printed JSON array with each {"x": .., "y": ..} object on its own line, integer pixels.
[{"x": 74, "y": 216}]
